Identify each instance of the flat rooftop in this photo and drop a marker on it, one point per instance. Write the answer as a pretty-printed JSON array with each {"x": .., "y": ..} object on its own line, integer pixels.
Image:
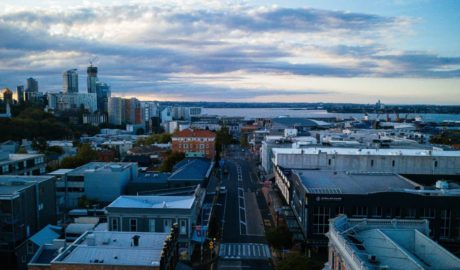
[
  {"x": 16, "y": 157},
  {"x": 115, "y": 248},
  {"x": 12, "y": 184},
  {"x": 395, "y": 244},
  {"x": 159, "y": 202},
  {"x": 364, "y": 151},
  {"x": 101, "y": 166},
  {"x": 330, "y": 182}
]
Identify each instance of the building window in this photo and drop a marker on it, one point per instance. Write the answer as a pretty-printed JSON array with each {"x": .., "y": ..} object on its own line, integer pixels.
[
  {"x": 444, "y": 230},
  {"x": 183, "y": 226},
  {"x": 329, "y": 161},
  {"x": 360, "y": 211},
  {"x": 133, "y": 224},
  {"x": 411, "y": 213},
  {"x": 372, "y": 163},
  {"x": 435, "y": 163},
  {"x": 393, "y": 163},
  {"x": 185, "y": 146},
  {"x": 428, "y": 213},
  {"x": 152, "y": 225},
  {"x": 321, "y": 217},
  {"x": 201, "y": 146},
  {"x": 167, "y": 224},
  {"x": 114, "y": 224},
  {"x": 340, "y": 210},
  {"x": 30, "y": 248},
  {"x": 376, "y": 211}
]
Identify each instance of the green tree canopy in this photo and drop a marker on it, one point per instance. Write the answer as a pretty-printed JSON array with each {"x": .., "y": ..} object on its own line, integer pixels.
[
  {"x": 295, "y": 261},
  {"x": 171, "y": 159},
  {"x": 279, "y": 237}
]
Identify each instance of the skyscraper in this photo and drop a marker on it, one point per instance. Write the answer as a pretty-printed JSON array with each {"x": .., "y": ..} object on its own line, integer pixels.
[
  {"x": 70, "y": 81},
  {"x": 103, "y": 94},
  {"x": 91, "y": 81},
  {"x": 20, "y": 93},
  {"x": 116, "y": 112},
  {"x": 32, "y": 85},
  {"x": 7, "y": 95}
]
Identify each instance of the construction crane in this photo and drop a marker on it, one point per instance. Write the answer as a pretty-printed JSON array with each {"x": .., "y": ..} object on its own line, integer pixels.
[{"x": 93, "y": 60}]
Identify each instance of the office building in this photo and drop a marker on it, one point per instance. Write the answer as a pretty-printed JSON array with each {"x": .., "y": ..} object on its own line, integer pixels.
[
  {"x": 7, "y": 96},
  {"x": 20, "y": 93},
  {"x": 94, "y": 119},
  {"x": 60, "y": 102},
  {"x": 70, "y": 81},
  {"x": 400, "y": 161},
  {"x": 32, "y": 85},
  {"x": 22, "y": 164},
  {"x": 157, "y": 214},
  {"x": 28, "y": 248},
  {"x": 315, "y": 196},
  {"x": 124, "y": 111},
  {"x": 361, "y": 244},
  {"x": 195, "y": 143},
  {"x": 27, "y": 204},
  {"x": 103, "y": 181},
  {"x": 116, "y": 112},
  {"x": 91, "y": 79},
  {"x": 114, "y": 251},
  {"x": 103, "y": 94}
]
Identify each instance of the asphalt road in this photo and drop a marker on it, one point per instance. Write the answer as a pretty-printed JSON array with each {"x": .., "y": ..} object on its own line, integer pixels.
[{"x": 243, "y": 242}]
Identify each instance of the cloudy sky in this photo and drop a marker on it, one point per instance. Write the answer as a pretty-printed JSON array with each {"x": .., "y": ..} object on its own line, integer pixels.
[{"x": 399, "y": 51}]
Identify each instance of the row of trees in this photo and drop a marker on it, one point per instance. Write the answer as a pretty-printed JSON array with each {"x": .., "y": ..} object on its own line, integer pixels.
[{"x": 35, "y": 123}]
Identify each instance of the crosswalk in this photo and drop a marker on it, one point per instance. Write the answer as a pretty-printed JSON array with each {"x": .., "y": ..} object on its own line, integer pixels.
[{"x": 241, "y": 251}]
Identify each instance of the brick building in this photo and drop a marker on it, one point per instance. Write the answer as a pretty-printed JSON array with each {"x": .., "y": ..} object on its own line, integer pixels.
[{"x": 195, "y": 142}]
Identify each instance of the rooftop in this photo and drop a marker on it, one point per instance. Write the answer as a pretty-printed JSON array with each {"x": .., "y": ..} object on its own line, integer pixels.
[
  {"x": 191, "y": 170},
  {"x": 330, "y": 182},
  {"x": 158, "y": 202},
  {"x": 363, "y": 151},
  {"x": 394, "y": 244},
  {"x": 101, "y": 166},
  {"x": 12, "y": 184},
  {"x": 6, "y": 158},
  {"x": 46, "y": 235},
  {"x": 188, "y": 132},
  {"x": 115, "y": 248}
]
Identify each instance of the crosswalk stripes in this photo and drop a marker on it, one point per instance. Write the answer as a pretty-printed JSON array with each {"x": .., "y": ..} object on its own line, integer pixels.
[{"x": 241, "y": 251}]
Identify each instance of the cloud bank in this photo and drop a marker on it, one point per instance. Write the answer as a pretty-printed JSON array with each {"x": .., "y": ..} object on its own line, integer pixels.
[{"x": 202, "y": 53}]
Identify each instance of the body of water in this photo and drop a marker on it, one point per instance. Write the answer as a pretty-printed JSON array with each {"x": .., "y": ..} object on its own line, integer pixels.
[{"x": 250, "y": 113}]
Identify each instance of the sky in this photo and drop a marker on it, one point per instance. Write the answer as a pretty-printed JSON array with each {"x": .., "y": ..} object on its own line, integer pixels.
[{"x": 398, "y": 51}]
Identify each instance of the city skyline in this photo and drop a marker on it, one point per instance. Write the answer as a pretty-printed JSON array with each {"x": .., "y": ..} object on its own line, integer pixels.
[{"x": 402, "y": 51}]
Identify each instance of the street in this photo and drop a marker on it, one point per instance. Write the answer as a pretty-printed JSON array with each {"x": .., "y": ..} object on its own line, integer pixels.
[{"x": 243, "y": 242}]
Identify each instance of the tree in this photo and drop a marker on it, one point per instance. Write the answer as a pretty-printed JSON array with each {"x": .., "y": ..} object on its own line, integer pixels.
[
  {"x": 171, "y": 159},
  {"x": 84, "y": 155},
  {"x": 244, "y": 140},
  {"x": 279, "y": 237},
  {"x": 223, "y": 137},
  {"x": 155, "y": 138},
  {"x": 295, "y": 261}
]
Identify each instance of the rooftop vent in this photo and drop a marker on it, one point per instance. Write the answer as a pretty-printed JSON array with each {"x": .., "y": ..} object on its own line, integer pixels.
[
  {"x": 136, "y": 240},
  {"x": 442, "y": 184},
  {"x": 372, "y": 259}
]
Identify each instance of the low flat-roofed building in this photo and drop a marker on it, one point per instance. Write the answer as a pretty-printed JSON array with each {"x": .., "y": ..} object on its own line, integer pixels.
[
  {"x": 356, "y": 244},
  {"x": 27, "y": 204},
  {"x": 118, "y": 250},
  {"x": 315, "y": 196},
  {"x": 22, "y": 164},
  {"x": 157, "y": 214},
  {"x": 103, "y": 181},
  {"x": 401, "y": 161}
]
